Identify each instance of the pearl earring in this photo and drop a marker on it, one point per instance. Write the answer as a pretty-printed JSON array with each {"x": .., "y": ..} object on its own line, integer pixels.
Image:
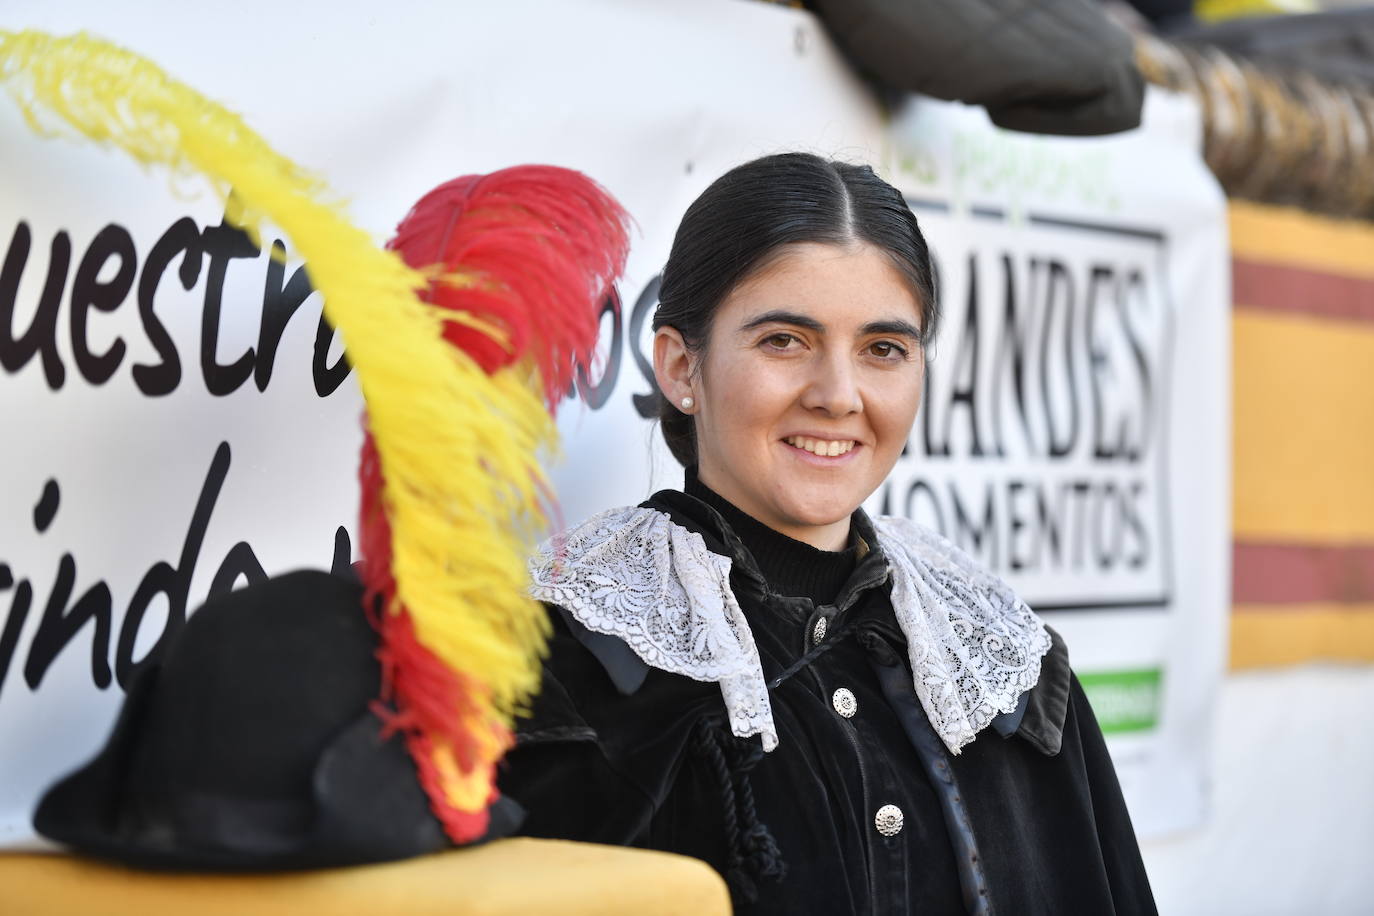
[{"x": 688, "y": 403}]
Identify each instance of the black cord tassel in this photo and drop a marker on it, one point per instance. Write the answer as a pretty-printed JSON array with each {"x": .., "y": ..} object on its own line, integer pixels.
[
  {"x": 751, "y": 851},
  {"x": 762, "y": 857}
]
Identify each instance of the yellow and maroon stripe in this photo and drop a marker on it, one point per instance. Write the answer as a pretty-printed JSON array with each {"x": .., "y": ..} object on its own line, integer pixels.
[{"x": 1303, "y": 357}]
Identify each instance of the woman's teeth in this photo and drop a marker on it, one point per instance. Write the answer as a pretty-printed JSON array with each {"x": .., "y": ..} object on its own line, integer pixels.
[{"x": 827, "y": 447}]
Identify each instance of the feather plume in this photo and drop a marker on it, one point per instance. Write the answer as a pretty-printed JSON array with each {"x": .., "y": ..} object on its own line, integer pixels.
[
  {"x": 451, "y": 450},
  {"x": 519, "y": 261}
]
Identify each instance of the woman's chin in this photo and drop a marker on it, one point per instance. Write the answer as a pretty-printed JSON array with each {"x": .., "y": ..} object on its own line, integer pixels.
[{"x": 820, "y": 515}]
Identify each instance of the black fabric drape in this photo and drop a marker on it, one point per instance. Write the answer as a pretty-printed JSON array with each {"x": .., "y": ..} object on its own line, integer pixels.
[{"x": 1049, "y": 67}]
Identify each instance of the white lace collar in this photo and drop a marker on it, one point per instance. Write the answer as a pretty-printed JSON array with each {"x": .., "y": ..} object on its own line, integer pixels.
[{"x": 635, "y": 574}]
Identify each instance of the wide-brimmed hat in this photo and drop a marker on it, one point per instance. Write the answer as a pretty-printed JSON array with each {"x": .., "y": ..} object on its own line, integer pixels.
[{"x": 254, "y": 742}]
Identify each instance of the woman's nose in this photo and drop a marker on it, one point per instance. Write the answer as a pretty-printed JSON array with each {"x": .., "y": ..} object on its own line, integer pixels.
[{"x": 833, "y": 387}]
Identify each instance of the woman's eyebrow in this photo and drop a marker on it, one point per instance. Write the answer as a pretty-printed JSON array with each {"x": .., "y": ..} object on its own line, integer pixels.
[
  {"x": 892, "y": 326},
  {"x": 896, "y": 326},
  {"x": 782, "y": 316}
]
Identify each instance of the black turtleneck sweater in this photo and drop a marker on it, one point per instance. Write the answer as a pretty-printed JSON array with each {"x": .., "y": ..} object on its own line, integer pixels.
[{"x": 791, "y": 567}]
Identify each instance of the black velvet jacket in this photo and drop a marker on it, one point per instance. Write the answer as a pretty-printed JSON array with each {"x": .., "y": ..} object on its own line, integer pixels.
[{"x": 1028, "y": 818}]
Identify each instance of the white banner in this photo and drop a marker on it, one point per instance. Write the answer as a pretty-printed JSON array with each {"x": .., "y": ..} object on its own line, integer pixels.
[{"x": 178, "y": 419}]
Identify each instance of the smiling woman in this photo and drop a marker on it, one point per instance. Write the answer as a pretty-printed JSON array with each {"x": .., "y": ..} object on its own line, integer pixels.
[{"x": 841, "y": 714}]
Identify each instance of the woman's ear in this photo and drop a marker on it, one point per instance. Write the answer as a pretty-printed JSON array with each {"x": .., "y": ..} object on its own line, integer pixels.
[{"x": 672, "y": 365}]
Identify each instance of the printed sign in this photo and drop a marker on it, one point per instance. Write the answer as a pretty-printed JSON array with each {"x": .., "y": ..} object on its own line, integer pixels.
[{"x": 1038, "y": 448}]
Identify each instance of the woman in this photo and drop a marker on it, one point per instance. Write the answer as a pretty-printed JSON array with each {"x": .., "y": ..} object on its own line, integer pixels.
[{"x": 841, "y": 714}]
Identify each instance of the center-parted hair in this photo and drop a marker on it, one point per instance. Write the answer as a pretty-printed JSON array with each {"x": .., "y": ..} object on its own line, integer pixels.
[{"x": 738, "y": 226}]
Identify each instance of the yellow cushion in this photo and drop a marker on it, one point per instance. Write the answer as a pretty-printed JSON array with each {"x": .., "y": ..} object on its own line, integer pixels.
[{"x": 521, "y": 876}]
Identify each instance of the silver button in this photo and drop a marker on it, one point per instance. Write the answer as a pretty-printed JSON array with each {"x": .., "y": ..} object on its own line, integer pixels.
[
  {"x": 818, "y": 631},
  {"x": 888, "y": 820},
  {"x": 844, "y": 702}
]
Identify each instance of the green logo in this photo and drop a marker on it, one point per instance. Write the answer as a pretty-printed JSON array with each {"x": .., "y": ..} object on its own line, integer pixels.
[{"x": 1124, "y": 701}]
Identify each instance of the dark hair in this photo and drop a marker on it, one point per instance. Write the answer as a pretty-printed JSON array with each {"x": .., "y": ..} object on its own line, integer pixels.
[{"x": 738, "y": 224}]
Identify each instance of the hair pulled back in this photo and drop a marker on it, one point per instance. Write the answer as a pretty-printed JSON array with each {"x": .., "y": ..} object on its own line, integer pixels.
[{"x": 737, "y": 226}]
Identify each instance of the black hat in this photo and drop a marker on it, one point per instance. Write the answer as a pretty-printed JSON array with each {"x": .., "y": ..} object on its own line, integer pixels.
[{"x": 253, "y": 743}]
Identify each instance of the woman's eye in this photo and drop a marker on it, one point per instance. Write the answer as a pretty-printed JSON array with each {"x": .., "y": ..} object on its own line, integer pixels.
[
  {"x": 779, "y": 341},
  {"x": 886, "y": 349}
]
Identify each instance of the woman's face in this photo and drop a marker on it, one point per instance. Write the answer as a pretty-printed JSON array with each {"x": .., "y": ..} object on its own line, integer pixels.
[{"x": 807, "y": 388}]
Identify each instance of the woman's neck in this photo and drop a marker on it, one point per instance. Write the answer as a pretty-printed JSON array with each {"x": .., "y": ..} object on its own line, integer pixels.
[
  {"x": 790, "y": 566},
  {"x": 831, "y": 537}
]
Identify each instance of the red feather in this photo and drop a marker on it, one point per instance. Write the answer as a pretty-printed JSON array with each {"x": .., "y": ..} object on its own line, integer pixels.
[
  {"x": 426, "y": 696},
  {"x": 461, "y": 826},
  {"x": 543, "y": 245}
]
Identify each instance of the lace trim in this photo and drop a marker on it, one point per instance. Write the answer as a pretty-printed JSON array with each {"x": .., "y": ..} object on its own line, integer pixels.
[
  {"x": 634, "y": 574},
  {"x": 975, "y": 646}
]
